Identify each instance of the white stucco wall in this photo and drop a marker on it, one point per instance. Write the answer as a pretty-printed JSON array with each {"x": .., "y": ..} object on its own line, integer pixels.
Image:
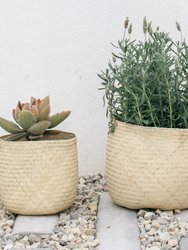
[{"x": 57, "y": 47}]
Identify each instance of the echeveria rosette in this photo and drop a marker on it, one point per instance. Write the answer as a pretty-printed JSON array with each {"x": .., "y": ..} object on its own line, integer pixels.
[{"x": 32, "y": 119}]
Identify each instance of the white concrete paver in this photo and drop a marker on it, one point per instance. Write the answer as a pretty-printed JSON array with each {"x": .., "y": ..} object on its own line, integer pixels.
[
  {"x": 183, "y": 215},
  {"x": 35, "y": 224},
  {"x": 116, "y": 227},
  {"x": 183, "y": 244},
  {"x": 184, "y": 241}
]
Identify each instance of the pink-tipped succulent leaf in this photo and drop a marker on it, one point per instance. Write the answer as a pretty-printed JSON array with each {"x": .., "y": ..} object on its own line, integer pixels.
[
  {"x": 44, "y": 113},
  {"x": 42, "y": 104}
]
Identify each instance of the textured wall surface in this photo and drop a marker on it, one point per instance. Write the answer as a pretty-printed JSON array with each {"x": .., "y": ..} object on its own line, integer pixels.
[{"x": 57, "y": 47}]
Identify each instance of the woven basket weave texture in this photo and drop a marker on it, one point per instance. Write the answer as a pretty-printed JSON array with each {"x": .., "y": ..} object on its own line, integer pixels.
[
  {"x": 148, "y": 167},
  {"x": 38, "y": 177}
]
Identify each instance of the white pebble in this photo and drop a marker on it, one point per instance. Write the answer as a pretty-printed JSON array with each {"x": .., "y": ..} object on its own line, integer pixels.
[
  {"x": 165, "y": 236},
  {"x": 141, "y": 213},
  {"x": 148, "y": 216},
  {"x": 8, "y": 246},
  {"x": 95, "y": 243},
  {"x": 177, "y": 211},
  {"x": 156, "y": 224},
  {"x": 153, "y": 248},
  {"x": 173, "y": 242},
  {"x": 147, "y": 227}
]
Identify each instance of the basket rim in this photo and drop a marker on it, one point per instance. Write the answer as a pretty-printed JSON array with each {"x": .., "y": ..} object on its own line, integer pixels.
[
  {"x": 74, "y": 138},
  {"x": 126, "y": 124}
]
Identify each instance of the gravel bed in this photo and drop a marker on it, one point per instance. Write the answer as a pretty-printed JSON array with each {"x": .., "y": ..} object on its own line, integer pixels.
[
  {"x": 76, "y": 228},
  {"x": 161, "y": 230}
]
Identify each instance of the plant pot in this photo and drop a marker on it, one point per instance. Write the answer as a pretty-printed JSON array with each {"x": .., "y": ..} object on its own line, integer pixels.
[
  {"x": 147, "y": 167},
  {"x": 39, "y": 177}
]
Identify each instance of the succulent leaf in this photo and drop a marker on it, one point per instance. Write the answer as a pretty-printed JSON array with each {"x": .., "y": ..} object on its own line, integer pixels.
[
  {"x": 44, "y": 103},
  {"x": 32, "y": 101},
  {"x": 9, "y": 126},
  {"x": 19, "y": 105},
  {"x": 44, "y": 113},
  {"x": 13, "y": 114},
  {"x": 39, "y": 128},
  {"x": 58, "y": 118},
  {"x": 14, "y": 137},
  {"x": 17, "y": 112},
  {"x": 52, "y": 132},
  {"x": 26, "y": 119},
  {"x": 35, "y": 111},
  {"x": 26, "y": 106},
  {"x": 35, "y": 137}
]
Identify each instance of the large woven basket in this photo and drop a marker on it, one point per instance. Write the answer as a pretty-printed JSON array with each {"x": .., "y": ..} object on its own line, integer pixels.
[
  {"x": 148, "y": 167},
  {"x": 38, "y": 177}
]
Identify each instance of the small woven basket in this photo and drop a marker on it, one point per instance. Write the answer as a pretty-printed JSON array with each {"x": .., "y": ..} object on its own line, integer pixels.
[
  {"x": 148, "y": 167},
  {"x": 38, "y": 177}
]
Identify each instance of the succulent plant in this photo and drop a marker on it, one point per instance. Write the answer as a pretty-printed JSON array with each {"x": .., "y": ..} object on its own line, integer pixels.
[{"x": 32, "y": 119}]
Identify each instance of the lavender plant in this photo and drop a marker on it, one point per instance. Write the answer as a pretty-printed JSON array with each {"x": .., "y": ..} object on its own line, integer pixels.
[
  {"x": 146, "y": 82},
  {"x": 32, "y": 120}
]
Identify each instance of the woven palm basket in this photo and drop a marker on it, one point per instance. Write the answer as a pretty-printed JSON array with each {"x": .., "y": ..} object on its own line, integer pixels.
[
  {"x": 39, "y": 177},
  {"x": 148, "y": 167}
]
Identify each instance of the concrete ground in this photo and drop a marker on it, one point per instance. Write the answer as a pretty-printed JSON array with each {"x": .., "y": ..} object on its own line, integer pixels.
[
  {"x": 183, "y": 241},
  {"x": 35, "y": 224},
  {"x": 117, "y": 227}
]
